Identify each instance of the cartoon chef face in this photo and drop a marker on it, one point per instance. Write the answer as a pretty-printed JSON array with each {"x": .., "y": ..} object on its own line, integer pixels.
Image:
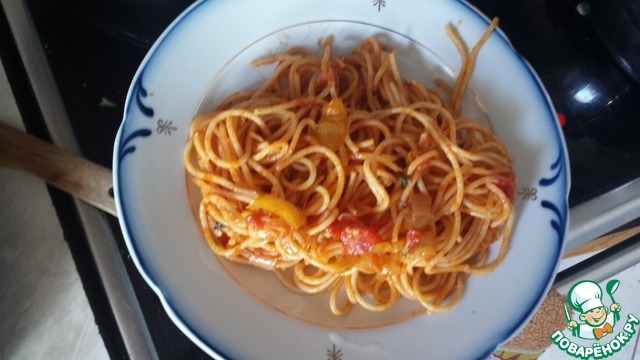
[
  {"x": 595, "y": 317},
  {"x": 586, "y": 297}
]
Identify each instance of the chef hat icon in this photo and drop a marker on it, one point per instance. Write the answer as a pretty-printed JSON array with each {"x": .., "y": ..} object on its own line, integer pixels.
[{"x": 585, "y": 295}]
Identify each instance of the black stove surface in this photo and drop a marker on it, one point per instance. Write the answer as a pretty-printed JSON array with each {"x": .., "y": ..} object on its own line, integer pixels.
[
  {"x": 94, "y": 49},
  {"x": 596, "y": 98}
]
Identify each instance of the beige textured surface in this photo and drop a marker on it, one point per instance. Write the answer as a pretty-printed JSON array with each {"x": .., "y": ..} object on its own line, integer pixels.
[{"x": 535, "y": 337}]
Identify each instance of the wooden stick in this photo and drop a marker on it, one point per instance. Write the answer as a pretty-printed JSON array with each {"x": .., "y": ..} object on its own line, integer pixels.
[
  {"x": 603, "y": 242},
  {"x": 60, "y": 168}
]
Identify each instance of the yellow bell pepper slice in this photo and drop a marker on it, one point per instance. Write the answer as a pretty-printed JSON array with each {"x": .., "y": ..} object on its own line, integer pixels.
[
  {"x": 332, "y": 127},
  {"x": 280, "y": 207}
]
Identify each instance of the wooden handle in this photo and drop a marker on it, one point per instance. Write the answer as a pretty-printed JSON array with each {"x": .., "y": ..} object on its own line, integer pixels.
[
  {"x": 603, "y": 242},
  {"x": 62, "y": 169}
]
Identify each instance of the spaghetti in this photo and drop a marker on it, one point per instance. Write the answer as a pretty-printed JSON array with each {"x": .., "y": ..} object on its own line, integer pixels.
[{"x": 341, "y": 176}]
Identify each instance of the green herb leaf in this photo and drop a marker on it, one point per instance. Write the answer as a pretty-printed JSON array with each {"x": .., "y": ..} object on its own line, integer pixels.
[{"x": 403, "y": 180}]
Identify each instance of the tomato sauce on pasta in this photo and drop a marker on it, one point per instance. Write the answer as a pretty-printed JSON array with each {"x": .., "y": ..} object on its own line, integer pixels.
[{"x": 341, "y": 176}]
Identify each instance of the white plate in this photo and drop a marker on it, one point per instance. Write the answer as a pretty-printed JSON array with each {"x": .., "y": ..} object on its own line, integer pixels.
[{"x": 202, "y": 298}]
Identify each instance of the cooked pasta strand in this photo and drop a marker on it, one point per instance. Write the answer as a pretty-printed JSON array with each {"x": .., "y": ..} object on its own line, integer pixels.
[{"x": 406, "y": 201}]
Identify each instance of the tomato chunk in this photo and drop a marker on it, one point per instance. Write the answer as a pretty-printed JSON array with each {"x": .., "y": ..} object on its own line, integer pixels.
[
  {"x": 506, "y": 183},
  {"x": 418, "y": 241},
  {"x": 414, "y": 237},
  {"x": 357, "y": 238},
  {"x": 257, "y": 221}
]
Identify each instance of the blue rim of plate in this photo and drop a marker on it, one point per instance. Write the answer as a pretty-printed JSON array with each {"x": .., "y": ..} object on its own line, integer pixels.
[{"x": 125, "y": 147}]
